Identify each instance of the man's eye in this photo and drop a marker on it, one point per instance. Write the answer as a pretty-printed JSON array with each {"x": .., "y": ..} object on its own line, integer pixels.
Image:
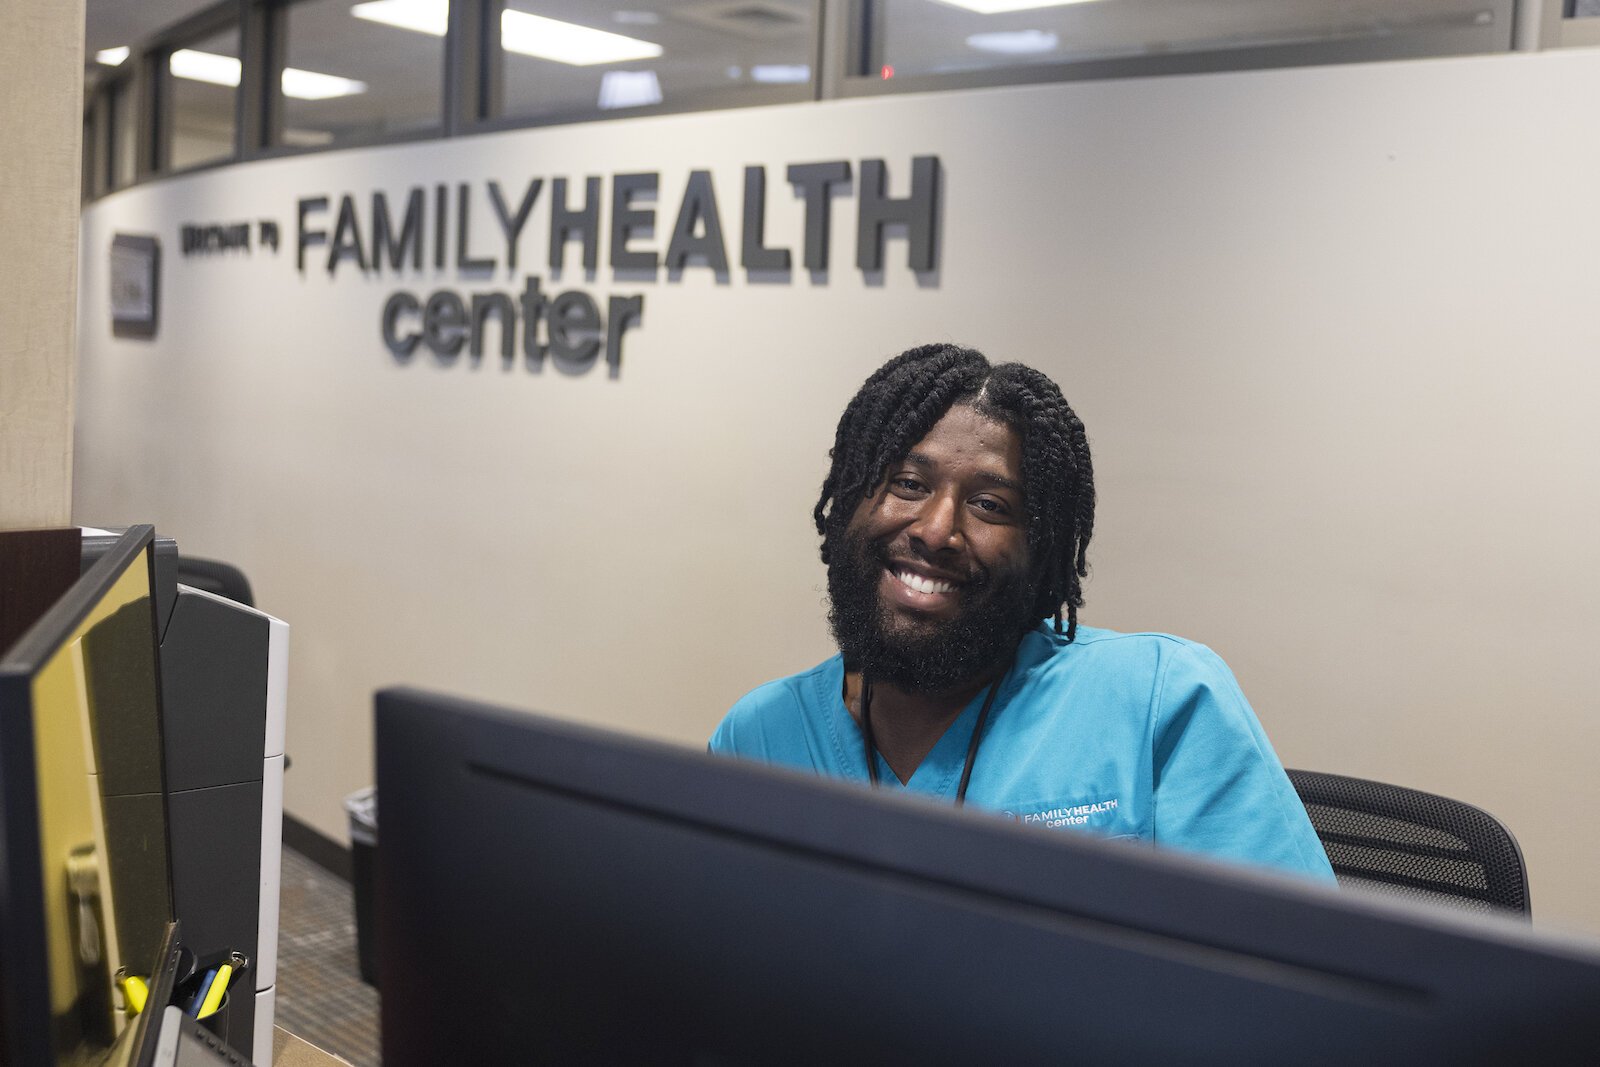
[
  {"x": 991, "y": 505},
  {"x": 905, "y": 485}
]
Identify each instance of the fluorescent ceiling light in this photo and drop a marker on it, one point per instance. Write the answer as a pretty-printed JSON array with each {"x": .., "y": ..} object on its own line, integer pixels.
[
  {"x": 421, "y": 16},
  {"x": 780, "y": 73},
  {"x": 564, "y": 42},
  {"x": 112, "y": 57},
  {"x": 309, "y": 85},
  {"x": 1014, "y": 42},
  {"x": 224, "y": 70},
  {"x": 302, "y": 138},
  {"x": 204, "y": 67},
  {"x": 629, "y": 88},
  {"x": 1000, "y": 7},
  {"x": 520, "y": 32}
]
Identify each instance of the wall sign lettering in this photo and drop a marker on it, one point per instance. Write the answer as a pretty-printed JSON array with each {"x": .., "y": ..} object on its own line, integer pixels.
[{"x": 596, "y": 223}]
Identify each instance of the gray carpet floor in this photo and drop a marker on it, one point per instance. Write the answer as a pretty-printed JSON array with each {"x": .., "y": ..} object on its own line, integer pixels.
[{"x": 321, "y": 996}]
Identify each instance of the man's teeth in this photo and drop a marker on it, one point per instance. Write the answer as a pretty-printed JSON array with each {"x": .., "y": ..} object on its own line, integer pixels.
[{"x": 923, "y": 585}]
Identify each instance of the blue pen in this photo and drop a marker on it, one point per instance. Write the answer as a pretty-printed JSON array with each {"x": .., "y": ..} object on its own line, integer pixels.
[{"x": 200, "y": 994}]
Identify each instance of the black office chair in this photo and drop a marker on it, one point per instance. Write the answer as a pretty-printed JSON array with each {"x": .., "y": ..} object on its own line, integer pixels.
[
  {"x": 214, "y": 576},
  {"x": 1414, "y": 844}
]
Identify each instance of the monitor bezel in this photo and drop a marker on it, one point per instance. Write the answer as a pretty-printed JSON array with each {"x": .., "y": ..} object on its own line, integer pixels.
[{"x": 25, "y": 1017}]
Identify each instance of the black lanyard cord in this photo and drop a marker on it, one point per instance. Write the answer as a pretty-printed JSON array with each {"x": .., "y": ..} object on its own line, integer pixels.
[{"x": 972, "y": 746}]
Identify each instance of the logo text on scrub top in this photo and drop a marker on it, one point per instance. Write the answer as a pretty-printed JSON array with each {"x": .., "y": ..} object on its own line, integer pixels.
[{"x": 1074, "y": 815}]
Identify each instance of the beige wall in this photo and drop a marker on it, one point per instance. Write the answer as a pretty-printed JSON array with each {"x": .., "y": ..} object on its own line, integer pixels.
[
  {"x": 1332, "y": 331},
  {"x": 41, "y": 127}
]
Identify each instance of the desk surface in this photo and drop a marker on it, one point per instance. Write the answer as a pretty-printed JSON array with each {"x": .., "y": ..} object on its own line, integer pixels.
[{"x": 291, "y": 1051}]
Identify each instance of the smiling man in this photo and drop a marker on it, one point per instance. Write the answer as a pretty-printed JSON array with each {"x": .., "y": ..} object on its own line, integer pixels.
[{"x": 955, "y": 520}]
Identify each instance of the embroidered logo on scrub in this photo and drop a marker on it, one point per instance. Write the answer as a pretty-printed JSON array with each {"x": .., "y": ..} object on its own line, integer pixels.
[{"x": 1097, "y": 813}]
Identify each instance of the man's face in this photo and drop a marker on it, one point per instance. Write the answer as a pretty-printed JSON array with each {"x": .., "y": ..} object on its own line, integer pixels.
[{"x": 930, "y": 586}]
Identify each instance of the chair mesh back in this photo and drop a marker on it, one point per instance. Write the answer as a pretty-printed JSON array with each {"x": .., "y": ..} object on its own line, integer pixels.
[
  {"x": 1414, "y": 844},
  {"x": 214, "y": 576}
]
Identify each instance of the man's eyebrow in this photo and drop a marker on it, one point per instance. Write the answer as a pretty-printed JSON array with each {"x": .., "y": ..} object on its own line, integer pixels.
[
  {"x": 922, "y": 459},
  {"x": 1000, "y": 481}
]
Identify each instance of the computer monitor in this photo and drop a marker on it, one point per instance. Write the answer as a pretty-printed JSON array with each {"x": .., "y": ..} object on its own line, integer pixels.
[
  {"x": 553, "y": 893},
  {"x": 85, "y": 880}
]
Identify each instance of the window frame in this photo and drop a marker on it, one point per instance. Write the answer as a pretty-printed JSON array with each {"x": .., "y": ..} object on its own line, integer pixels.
[{"x": 472, "y": 75}]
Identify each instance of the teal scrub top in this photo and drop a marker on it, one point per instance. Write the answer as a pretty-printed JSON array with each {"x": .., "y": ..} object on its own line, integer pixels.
[{"x": 1138, "y": 736}]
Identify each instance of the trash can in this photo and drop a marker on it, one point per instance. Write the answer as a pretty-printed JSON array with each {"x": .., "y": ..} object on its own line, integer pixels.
[{"x": 362, "y": 808}]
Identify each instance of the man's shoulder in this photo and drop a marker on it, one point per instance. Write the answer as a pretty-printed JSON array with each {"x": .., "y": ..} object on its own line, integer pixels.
[
  {"x": 779, "y": 705},
  {"x": 1126, "y": 663},
  {"x": 788, "y": 689},
  {"x": 1092, "y": 642}
]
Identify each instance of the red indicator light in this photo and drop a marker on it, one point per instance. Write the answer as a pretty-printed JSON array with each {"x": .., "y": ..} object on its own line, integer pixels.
[{"x": 887, "y": 72}]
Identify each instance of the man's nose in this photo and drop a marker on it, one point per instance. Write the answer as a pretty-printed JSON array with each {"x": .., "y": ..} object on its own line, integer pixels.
[{"x": 938, "y": 525}]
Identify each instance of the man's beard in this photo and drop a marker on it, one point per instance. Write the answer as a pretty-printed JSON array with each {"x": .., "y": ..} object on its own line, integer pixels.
[{"x": 945, "y": 654}]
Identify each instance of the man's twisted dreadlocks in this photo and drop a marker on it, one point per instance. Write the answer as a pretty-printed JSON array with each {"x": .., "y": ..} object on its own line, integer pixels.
[{"x": 902, "y": 400}]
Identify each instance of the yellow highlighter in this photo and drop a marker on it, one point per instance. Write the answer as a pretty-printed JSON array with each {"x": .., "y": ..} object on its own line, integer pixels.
[
  {"x": 136, "y": 992},
  {"x": 219, "y": 986}
]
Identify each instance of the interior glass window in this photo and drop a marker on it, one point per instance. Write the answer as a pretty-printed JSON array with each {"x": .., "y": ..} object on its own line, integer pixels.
[
  {"x": 571, "y": 58},
  {"x": 204, "y": 85},
  {"x": 946, "y": 36},
  {"x": 362, "y": 71}
]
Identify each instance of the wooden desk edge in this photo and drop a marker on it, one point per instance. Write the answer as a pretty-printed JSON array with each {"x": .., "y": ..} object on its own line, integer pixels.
[{"x": 291, "y": 1051}]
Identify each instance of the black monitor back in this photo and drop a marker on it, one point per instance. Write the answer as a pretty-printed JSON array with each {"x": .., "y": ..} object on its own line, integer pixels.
[{"x": 552, "y": 893}]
